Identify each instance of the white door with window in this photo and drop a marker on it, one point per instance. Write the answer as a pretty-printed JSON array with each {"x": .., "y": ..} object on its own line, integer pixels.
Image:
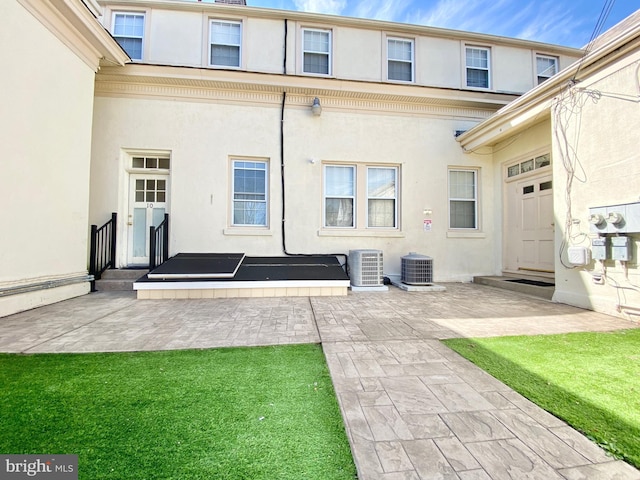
[
  {"x": 148, "y": 201},
  {"x": 529, "y": 226}
]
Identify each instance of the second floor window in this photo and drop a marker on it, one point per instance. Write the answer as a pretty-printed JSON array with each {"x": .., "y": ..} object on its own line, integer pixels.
[
  {"x": 477, "y": 67},
  {"x": 316, "y": 55},
  {"x": 400, "y": 59},
  {"x": 546, "y": 67},
  {"x": 128, "y": 30},
  {"x": 225, "y": 43}
]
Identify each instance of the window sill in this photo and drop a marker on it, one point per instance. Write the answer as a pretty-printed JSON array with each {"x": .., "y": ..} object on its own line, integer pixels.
[
  {"x": 248, "y": 232},
  {"x": 466, "y": 235},
  {"x": 361, "y": 233}
]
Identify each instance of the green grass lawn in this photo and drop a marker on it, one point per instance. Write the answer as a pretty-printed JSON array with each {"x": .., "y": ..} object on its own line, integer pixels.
[
  {"x": 590, "y": 380},
  {"x": 235, "y": 413}
]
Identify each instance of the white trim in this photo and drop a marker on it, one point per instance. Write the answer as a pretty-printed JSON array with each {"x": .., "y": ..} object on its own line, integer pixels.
[{"x": 222, "y": 285}]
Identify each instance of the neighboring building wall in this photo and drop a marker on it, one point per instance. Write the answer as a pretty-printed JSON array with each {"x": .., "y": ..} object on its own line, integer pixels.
[
  {"x": 600, "y": 120},
  {"x": 46, "y": 139}
]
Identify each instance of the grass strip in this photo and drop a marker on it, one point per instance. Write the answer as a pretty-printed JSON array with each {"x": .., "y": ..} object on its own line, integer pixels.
[
  {"x": 590, "y": 380},
  {"x": 236, "y": 413}
]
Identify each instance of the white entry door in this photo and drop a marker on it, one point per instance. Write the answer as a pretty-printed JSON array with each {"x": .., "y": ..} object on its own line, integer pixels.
[
  {"x": 148, "y": 200},
  {"x": 529, "y": 228}
]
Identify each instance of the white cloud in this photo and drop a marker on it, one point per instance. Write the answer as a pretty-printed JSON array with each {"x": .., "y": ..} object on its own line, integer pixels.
[
  {"x": 391, "y": 10},
  {"x": 334, "y": 7}
]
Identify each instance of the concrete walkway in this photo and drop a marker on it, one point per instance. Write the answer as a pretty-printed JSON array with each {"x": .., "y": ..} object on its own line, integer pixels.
[{"x": 413, "y": 409}]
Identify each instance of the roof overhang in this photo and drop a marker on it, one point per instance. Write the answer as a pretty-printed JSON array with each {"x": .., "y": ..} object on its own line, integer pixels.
[
  {"x": 75, "y": 24},
  {"x": 535, "y": 105}
]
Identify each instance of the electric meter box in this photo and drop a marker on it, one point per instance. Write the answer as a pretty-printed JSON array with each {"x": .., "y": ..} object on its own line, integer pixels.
[
  {"x": 621, "y": 249},
  {"x": 599, "y": 248}
]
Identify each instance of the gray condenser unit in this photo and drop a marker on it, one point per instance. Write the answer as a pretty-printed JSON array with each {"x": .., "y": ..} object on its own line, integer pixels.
[
  {"x": 417, "y": 269},
  {"x": 365, "y": 268}
]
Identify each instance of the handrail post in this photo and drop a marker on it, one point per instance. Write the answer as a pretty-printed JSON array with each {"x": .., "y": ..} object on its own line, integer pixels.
[
  {"x": 114, "y": 218},
  {"x": 165, "y": 239},
  {"x": 92, "y": 256},
  {"x": 152, "y": 248}
]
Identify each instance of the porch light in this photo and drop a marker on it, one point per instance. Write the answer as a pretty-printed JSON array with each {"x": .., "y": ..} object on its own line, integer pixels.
[{"x": 316, "y": 108}]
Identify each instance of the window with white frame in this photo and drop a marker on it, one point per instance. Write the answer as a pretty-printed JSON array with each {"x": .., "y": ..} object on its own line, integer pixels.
[
  {"x": 224, "y": 43},
  {"x": 128, "y": 31},
  {"x": 250, "y": 200},
  {"x": 546, "y": 67},
  {"x": 463, "y": 198},
  {"x": 400, "y": 59},
  {"x": 382, "y": 195},
  {"x": 316, "y": 51},
  {"x": 339, "y": 196},
  {"x": 477, "y": 61}
]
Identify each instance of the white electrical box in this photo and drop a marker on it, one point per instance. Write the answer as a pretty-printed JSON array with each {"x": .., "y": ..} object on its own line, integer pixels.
[
  {"x": 620, "y": 249},
  {"x": 579, "y": 255},
  {"x": 599, "y": 248}
]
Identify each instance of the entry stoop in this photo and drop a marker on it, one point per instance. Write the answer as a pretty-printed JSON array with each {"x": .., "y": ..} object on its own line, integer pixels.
[
  {"x": 119, "y": 280},
  {"x": 537, "y": 288}
]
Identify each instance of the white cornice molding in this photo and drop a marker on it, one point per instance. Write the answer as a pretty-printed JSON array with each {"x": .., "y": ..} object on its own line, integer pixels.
[
  {"x": 400, "y": 28},
  {"x": 205, "y": 85},
  {"x": 74, "y": 24}
]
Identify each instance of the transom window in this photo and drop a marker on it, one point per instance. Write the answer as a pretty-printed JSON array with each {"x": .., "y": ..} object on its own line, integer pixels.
[
  {"x": 400, "y": 59},
  {"x": 463, "y": 199},
  {"x": 546, "y": 67},
  {"x": 360, "y": 196},
  {"x": 316, "y": 53},
  {"x": 161, "y": 163},
  {"x": 249, "y": 192},
  {"x": 477, "y": 67},
  {"x": 529, "y": 165},
  {"x": 128, "y": 31},
  {"x": 224, "y": 43}
]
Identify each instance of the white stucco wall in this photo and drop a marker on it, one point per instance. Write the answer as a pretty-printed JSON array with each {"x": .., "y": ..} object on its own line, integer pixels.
[
  {"x": 202, "y": 137},
  {"x": 45, "y": 127},
  {"x": 602, "y": 130}
]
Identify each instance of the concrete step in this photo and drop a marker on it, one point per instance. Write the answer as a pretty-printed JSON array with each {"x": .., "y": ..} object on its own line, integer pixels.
[
  {"x": 508, "y": 283},
  {"x": 119, "y": 280}
]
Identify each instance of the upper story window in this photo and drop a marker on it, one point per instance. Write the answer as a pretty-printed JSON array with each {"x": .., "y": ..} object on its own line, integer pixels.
[
  {"x": 316, "y": 51},
  {"x": 478, "y": 67},
  {"x": 400, "y": 59},
  {"x": 249, "y": 192},
  {"x": 546, "y": 67},
  {"x": 128, "y": 30},
  {"x": 224, "y": 43},
  {"x": 463, "y": 198}
]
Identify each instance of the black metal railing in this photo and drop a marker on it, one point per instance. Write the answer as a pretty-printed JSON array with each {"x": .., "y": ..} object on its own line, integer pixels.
[
  {"x": 102, "y": 254},
  {"x": 159, "y": 243}
]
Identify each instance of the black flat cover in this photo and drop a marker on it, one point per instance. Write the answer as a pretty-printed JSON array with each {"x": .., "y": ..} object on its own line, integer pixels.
[
  {"x": 199, "y": 265},
  {"x": 251, "y": 269}
]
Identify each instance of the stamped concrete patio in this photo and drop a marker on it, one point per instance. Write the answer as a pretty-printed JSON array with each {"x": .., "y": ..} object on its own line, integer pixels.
[{"x": 413, "y": 409}]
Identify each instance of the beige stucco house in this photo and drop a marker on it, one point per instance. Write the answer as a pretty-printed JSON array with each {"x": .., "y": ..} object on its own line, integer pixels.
[{"x": 272, "y": 132}]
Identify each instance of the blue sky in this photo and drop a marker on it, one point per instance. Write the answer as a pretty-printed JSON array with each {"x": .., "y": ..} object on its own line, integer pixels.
[{"x": 562, "y": 22}]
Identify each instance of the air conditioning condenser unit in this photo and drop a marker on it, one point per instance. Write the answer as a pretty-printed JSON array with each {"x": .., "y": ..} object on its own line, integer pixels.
[
  {"x": 365, "y": 268},
  {"x": 417, "y": 269}
]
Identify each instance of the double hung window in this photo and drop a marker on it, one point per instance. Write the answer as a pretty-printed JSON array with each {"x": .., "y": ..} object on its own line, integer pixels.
[
  {"x": 360, "y": 196},
  {"x": 128, "y": 31},
  {"x": 477, "y": 67},
  {"x": 463, "y": 199},
  {"x": 316, "y": 52},
  {"x": 546, "y": 67},
  {"x": 249, "y": 193},
  {"x": 400, "y": 59},
  {"x": 224, "y": 43}
]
